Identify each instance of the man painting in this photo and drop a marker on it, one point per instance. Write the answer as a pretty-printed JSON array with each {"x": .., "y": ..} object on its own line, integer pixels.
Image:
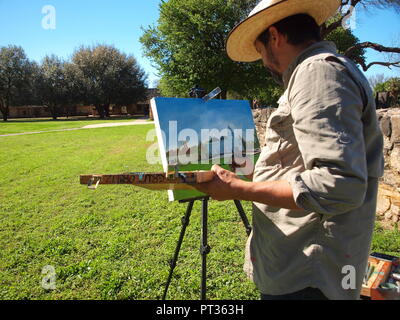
[{"x": 314, "y": 187}]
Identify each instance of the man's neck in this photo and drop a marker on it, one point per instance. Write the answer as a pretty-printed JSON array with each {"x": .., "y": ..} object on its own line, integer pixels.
[{"x": 294, "y": 53}]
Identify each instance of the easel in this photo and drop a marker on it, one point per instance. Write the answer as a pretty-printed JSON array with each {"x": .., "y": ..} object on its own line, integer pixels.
[
  {"x": 204, "y": 247},
  {"x": 171, "y": 181},
  {"x": 197, "y": 92}
]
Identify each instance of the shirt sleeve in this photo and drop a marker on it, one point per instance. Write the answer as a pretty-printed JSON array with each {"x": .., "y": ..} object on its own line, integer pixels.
[{"x": 327, "y": 106}]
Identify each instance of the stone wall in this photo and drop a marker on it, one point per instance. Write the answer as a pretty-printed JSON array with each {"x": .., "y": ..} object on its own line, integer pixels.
[
  {"x": 260, "y": 120},
  {"x": 388, "y": 209}
]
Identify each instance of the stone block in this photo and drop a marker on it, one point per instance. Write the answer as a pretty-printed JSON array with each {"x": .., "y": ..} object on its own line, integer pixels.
[
  {"x": 386, "y": 126},
  {"x": 395, "y": 208},
  {"x": 388, "y": 144},
  {"x": 395, "y": 125},
  {"x": 395, "y": 158},
  {"x": 391, "y": 178},
  {"x": 383, "y": 205},
  {"x": 388, "y": 215}
]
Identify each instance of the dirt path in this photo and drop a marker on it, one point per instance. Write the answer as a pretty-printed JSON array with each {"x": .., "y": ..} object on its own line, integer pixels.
[
  {"x": 117, "y": 124},
  {"x": 92, "y": 126}
]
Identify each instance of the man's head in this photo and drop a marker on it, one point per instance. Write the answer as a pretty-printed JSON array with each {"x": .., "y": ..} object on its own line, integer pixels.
[
  {"x": 280, "y": 43},
  {"x": 277, "y": 14}
]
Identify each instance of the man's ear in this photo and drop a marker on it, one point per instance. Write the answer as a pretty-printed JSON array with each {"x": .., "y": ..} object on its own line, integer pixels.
[{"x": 276, "y": 38}]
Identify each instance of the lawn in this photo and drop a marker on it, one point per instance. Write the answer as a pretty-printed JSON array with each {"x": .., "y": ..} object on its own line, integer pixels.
[
  {"x": 115, "y": 242},
  {"x": 35, "y": 125},
  {"x": 112, "y": 243}
]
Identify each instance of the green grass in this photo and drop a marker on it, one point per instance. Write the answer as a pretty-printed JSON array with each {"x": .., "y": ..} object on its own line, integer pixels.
[
  {"x": 115, "y": 242},
  {"x": 386, "y": 241},
  {"x": 112, "y": 243},
  {"x": 34, "y": 125}
]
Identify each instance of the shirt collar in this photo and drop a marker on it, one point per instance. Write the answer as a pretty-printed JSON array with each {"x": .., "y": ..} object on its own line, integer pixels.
[{"x": 316, "y": 48}]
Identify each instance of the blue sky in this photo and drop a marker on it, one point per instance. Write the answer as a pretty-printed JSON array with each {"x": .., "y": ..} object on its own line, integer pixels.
[
  {"x": 119, "y": 23},
  {"x": 379, "y": 26}
]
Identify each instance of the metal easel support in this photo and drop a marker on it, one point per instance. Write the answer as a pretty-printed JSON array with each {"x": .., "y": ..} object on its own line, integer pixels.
[
  {"x": 172, "y": 262},
  {"x": 204, "y": 247}
]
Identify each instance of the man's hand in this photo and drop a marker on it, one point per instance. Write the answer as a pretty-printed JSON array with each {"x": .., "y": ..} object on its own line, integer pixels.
[
  {"x": 244, "y": 165},
  {"x": 225, "y": 186}
]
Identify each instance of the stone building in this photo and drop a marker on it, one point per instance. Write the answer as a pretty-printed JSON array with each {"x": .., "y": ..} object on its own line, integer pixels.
[
  {"x": 140, "y": 108},
  {"x": 29, "y": 112}
]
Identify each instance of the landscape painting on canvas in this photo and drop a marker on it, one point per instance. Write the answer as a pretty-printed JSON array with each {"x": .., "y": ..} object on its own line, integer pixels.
[{"x": 194, "y": 134}]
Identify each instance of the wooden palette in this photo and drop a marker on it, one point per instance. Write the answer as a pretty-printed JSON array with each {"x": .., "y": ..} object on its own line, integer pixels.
[{"x": 152, "y": 181}]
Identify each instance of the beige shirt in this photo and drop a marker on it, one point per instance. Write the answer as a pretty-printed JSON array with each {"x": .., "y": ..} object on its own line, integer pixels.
[{"x": 324, "y": 139}]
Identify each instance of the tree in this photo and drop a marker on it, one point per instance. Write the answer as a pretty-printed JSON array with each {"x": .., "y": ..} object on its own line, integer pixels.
[
  {"x": 73, "y": 90},
  {"x": 188, "y": 48},
  {"x": 188, "y": 45},
  {"x": 344, "y": 39},
  {"x": 376, "y": 80},
  {"x": 108, "y": 76},
  {"x": 51, "y": 84},
  {"x": 15, "y": 78},
  {"x": 58, "y": 85},
  {"x": 392, "y": 86},
  {"x": 346, "y": 10}
]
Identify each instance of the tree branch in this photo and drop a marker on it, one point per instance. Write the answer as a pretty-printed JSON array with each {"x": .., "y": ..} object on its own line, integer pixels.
[
  {"x": 325, "y": 30},
  {"x": 371, "y": 45},
  {"x": 385, "y": 64}
]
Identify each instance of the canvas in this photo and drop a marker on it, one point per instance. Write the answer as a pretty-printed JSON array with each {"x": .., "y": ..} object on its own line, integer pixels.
[{"x": 193, "y": 134}]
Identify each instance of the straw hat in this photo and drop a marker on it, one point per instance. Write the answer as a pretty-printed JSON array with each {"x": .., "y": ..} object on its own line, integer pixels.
[{"x": 240, "y": 43}]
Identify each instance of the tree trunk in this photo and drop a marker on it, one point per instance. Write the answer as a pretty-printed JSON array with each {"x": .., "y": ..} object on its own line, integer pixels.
[
  {"x": 67, "y": 110},
  {"x": 5, "y": 115},
  {"x": 53, "y": 111},
  {"x": 100, "y": 110},
  {"x": 4, "y": 110},
  {"x": 107, "y": 109}
]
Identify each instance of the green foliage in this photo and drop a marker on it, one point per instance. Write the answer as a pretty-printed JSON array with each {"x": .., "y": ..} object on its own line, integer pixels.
[
  {"x": 188, "y": 47},
  {"x": 344, "y": 39},
  {"x": 15, "y": 78},
  {"x": 393, "y": 87},
  {"x": 55, "y": 84},
  {"x": 99, "y": 75},
  {"x": 108, "y": 76},
  {"x": 380, "y": 87}
]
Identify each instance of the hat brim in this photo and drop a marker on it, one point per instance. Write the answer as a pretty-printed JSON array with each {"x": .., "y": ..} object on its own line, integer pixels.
[{"x": 240, "y": 42}]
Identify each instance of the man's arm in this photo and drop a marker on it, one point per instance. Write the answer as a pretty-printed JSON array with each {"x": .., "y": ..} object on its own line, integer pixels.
[
  {"x": 327, "y": 110},
  {"x": 228, "y": 186}
]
